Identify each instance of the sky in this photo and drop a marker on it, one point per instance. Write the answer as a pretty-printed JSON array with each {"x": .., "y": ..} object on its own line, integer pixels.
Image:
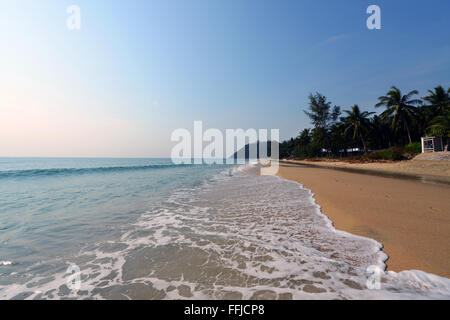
[{"x": 137, "y": 70}]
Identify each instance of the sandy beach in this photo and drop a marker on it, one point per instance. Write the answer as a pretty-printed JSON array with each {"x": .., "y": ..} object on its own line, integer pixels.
[
  {"x": 410, "y": 218},
  {"x": 439, "y": 170}
]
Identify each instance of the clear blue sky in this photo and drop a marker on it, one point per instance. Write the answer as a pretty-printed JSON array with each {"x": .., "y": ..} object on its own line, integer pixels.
[{"x": 139, "y": 69}]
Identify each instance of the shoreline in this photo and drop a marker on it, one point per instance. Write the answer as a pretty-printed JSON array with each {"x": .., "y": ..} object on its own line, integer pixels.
[
  {"x": 411, "y": 219},
  {"x": 417, "y": 170}
]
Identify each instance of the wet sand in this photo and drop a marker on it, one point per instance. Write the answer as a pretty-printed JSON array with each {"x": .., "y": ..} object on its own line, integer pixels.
[
  {"x": 410, "y": 218},
  {"x": 425, "y": 169}
]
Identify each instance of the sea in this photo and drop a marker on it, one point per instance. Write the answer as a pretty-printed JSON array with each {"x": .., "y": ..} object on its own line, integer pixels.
[{"x": 78, "y": 228}]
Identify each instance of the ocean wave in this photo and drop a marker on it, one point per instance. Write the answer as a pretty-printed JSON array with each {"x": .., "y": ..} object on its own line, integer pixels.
[
  {"x": 78, "y": 171},
  {"x": 243, "y": 236}
]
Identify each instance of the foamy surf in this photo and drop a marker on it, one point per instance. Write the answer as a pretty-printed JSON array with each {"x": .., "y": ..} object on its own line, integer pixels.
[{"x": 235, "y": 236}]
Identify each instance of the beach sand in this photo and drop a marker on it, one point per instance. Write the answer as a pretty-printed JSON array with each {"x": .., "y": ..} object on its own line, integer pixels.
[
  {"x": 424, "y": 168},
  {"x": 410, "y": 218}
]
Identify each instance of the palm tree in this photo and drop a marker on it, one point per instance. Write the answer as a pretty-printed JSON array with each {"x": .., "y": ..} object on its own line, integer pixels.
[
  {"x": 400, "y": 107},
  {"x": 304, "y": 137},
  {"x": 380, "y": 133},
  {"x": 440, "y": 126},
  {"x": 357, "y": 122},
  {"x": 439, "y": 100}
]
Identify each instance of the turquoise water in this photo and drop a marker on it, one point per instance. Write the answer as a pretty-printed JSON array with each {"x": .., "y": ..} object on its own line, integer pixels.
[
  {"x": 148, "y": 229},
  {"x": 51, "y": 208}
]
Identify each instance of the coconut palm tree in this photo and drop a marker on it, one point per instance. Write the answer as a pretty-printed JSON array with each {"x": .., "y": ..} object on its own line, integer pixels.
[
  {"x": 399, "y": 108},
  {"x": 380, "y": 133},
  {"x": 357, "y": 122},
  {"x": 438, "y": 100},
  {"x": 440, "y": 127}
]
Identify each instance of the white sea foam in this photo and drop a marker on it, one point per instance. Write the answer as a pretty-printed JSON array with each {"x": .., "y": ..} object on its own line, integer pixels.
[{"x": 240, "y": 237}]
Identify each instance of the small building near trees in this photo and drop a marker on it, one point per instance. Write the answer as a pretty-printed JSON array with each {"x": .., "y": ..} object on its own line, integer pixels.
[{"x": 432, "y": 144}]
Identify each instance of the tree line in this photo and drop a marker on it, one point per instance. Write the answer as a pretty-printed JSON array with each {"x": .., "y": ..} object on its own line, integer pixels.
[{"x": 404, "y": 119}]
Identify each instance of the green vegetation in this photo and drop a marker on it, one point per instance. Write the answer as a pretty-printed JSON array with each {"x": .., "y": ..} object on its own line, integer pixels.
[
  {"x": 440, "y": 125},
  {"x": 413, "y": 148},
  {"x": 400, "y": 109},
  {"x": 358, "y": 123},
  {"x": 390, "y": 154},
  {"x": 394, "y": 134}
]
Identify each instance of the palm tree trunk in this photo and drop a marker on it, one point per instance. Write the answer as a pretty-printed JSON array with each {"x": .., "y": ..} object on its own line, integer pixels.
[
  {"x": 364, "y": 144},
  {"x": 407, "y": 129}
]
